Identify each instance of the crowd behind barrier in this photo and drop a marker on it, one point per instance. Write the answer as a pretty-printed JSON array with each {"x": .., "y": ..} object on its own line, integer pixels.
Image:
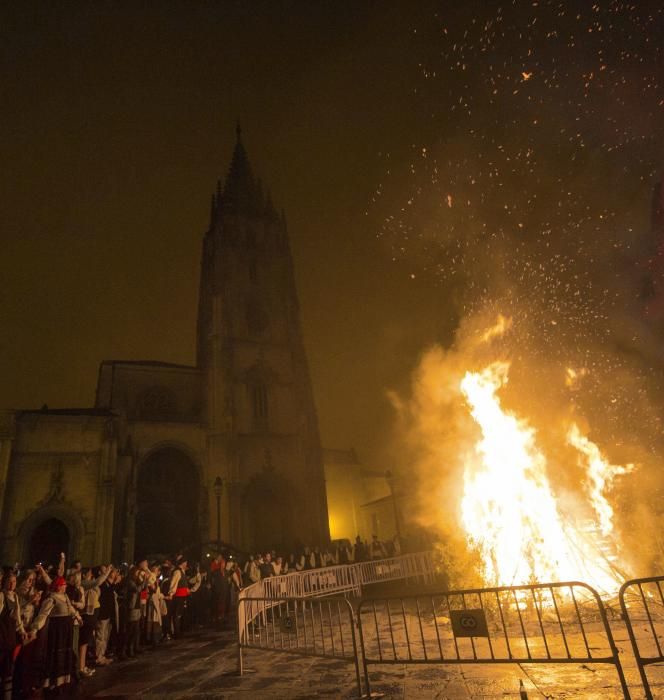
[{"x": 60, "y": 621}]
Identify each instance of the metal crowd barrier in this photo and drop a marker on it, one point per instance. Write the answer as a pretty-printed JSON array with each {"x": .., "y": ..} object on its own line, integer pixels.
[
  {"x": 269, "y": 599},
  {"x": 344, "y": 579},
  {"x": 321, "y": 627},
  {"x": 544, "y": 623},
  {"x": 642, "y": 604},
  {"x": 418, "y": 566},
  {"x": 262, "y": 595}
]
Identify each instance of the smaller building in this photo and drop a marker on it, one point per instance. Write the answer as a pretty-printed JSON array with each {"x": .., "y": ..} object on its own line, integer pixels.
[{"x": 359, "y": 499}]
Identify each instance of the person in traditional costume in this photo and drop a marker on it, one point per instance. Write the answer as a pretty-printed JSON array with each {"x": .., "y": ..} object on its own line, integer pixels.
[
  {"x": 61, "y": 615},
  {"x": 165, "y": 587},
  {"x": 156, "y": 608},
  {"x": 132, "y": 601},
  {"x": 235, "y": 585},
  {"x": 11, "y": 631},
  {"x": 76, "y": 595},
  {"x": 194, "y": 616},
  {"x": 29, "y": 599},
  {"x": 178, "y": 593}
]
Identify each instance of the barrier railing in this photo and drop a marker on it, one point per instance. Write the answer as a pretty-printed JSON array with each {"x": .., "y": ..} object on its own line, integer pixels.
[
  {"x": 259, "y": 597},
  {"x": 315, "y": 582},
  {"x": 544, "y": 623},
  {"x": 642, "y": 604},
  {"x": 294, "y": 599},
  {"x": 344, "y": 579},
  {"x": 418, "y": 566},
  {"x": 321, "y": 627}
]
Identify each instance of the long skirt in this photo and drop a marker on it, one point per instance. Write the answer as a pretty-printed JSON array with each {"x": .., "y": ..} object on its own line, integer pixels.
[
  {"x": 8, "y": 649},
  {"x": 59, "y": 661},
  {"x": 29, "y": 665},
  {"x": 8, "y": 641}
]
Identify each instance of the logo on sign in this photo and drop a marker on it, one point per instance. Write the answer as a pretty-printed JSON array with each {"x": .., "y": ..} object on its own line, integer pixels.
[{"x": 469, "y": 623}]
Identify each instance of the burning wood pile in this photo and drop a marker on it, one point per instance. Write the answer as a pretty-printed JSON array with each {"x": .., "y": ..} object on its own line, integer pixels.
[{"x": 520, "y": 494}]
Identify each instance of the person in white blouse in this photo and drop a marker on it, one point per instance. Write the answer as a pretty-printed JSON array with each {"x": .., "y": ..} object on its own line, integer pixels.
[{"x": 59, "y": 661}]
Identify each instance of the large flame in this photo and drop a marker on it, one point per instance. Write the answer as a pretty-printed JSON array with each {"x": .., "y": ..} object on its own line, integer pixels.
[
  {"x": 600, "y": 476},
  {"x": 509, "y": 509}
]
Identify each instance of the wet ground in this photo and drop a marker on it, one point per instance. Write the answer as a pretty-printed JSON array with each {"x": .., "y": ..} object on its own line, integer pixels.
[{"x": 204, "y": 665}]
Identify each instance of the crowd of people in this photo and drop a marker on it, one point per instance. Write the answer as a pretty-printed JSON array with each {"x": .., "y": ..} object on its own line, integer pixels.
[
  {"x": 59, "y": 623},
  {"x": 267, "y": 564}
]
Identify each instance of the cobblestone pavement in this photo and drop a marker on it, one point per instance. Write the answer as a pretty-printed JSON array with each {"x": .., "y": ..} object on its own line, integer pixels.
[{"x": 205, "y": 666}]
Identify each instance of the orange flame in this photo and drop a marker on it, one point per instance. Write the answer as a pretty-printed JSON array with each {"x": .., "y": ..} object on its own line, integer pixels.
[
  {"x": 600, "y": 476},
  {"x": 503, "y": 324},
  {"x": 508, "y": 507}
]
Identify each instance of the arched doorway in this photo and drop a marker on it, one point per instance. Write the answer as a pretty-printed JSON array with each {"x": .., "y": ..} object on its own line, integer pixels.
[
  {"x": 167, "y": 503},
  {"x": 269, "y": 512},
  {"x": 47, "y": 540}
]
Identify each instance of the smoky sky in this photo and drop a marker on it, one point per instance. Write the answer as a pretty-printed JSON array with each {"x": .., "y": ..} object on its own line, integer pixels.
[{"x": 430, "y": 157}]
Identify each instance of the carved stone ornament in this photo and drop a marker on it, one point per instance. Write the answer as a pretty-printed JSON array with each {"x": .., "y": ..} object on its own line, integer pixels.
[{"x": 55, "y": 493}]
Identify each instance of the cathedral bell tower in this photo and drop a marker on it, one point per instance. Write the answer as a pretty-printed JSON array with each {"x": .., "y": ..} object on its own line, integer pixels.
[{"x": 262, "y": 428}]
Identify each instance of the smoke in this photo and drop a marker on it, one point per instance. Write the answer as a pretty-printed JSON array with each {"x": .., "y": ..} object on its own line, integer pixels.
[{"x": 553, "y": 388}]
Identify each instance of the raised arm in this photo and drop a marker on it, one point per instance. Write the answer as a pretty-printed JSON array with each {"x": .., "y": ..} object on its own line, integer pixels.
[
  {"x": 96, "y": 582},
  {"x": 44, "y": 576},
  {"x": 105, "y": 573}
]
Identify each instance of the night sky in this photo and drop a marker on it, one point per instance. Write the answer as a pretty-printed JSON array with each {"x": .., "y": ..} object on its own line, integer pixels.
[{"x": 432, "y": 159}]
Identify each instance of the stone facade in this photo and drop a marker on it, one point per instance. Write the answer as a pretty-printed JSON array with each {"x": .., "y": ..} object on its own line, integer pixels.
[
  {"x": 136, "y": 473},
  {"x": 59, "y": 465}
]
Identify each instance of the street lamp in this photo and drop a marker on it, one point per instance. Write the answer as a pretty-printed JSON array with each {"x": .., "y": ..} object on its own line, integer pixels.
[{"x": 218, "y": 489}]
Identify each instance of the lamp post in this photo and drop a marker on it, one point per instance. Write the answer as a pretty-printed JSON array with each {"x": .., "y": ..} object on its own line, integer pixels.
[
  {"x": 218, "y": 489},
  {"x": 389, "y": 477}
]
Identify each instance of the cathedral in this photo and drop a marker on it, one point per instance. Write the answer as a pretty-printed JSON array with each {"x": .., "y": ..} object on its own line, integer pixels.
[{"x": 173, "y": 457}]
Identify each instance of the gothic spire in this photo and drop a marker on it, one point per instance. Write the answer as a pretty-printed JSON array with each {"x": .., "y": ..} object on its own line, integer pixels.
[{"x": 239, "y": 192}]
